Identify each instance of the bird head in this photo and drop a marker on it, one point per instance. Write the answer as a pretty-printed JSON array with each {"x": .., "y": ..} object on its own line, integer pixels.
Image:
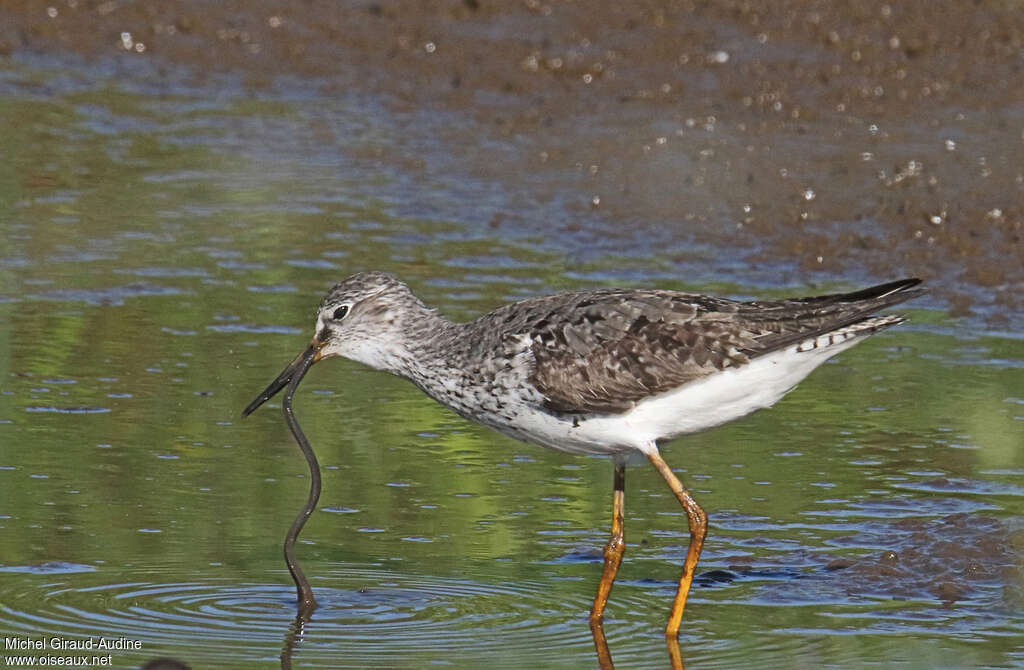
[{"x": 362, "y": 318}]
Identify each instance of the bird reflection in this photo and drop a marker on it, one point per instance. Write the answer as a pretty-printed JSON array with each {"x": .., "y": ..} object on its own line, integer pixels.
[
  {"x": 604, "y": 655},
  {"x": 298, "y": 629}
]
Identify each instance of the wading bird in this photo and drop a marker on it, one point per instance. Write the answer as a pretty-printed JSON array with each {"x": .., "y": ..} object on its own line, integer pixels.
[{"x": 608, "y": 371}]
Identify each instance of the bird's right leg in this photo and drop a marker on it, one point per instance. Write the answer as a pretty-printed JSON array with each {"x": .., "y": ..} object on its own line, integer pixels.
[{"x": 615, "y": 548}]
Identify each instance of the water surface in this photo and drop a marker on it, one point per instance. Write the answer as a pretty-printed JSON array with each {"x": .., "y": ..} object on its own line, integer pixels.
[{"x": 166, "y": 245}]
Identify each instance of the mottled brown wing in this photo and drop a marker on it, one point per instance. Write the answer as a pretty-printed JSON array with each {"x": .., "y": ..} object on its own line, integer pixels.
[
  {"x": 608, "y": 351},
  {"x": 604, "y": 351}
]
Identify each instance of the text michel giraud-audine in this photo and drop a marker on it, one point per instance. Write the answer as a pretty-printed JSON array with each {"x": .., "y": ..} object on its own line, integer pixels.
[{"x": 71, "y": 644}]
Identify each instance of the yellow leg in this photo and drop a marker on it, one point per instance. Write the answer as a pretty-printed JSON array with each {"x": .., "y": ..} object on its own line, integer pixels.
[
  {"x": 614, "y": 550},
  {"x": 698, "y": 530}
]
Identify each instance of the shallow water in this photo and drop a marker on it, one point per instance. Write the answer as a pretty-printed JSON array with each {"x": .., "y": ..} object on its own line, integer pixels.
[{"x": 166, "y": 246}]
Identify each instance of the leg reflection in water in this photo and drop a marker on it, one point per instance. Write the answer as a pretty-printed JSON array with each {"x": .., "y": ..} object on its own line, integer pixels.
[{"x": 604, "y": 655}]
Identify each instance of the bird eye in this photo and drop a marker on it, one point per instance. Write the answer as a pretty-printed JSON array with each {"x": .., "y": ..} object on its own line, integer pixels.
[{"x": 340, "y": 313}]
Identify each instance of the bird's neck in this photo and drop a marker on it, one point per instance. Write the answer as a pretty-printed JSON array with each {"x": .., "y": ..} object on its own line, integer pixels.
[{"x": 416, "y": 344}]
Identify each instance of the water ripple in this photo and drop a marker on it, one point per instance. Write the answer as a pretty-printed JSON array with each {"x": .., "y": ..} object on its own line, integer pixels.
[
  {"x": 68, "y": 410},
  {"x": 367, "y": 614},
  {"x": 114, "y": 295},
  {"x": 253, "y": 328}
]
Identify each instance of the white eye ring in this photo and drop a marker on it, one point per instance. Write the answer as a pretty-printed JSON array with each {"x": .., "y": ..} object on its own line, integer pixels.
[{"x": 340, "y": 313}]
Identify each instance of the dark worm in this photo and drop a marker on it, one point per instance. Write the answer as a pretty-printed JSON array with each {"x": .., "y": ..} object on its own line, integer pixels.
[
  {"x": 307, "y": 603},
  {"x": 290, "y": 377}
]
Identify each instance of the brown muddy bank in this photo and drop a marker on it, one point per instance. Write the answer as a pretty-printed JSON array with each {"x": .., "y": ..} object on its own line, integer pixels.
[{"x": 847, "y": 140}]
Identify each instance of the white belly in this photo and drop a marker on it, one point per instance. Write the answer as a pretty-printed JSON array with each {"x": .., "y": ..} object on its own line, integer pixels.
[{"x": 698, "y": 405}]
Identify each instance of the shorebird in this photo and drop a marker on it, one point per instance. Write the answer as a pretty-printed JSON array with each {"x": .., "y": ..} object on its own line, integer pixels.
[{"x": 608, "y": 371}]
